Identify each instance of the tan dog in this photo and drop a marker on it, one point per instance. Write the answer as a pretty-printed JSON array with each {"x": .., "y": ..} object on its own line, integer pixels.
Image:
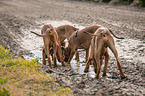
[
  {"x": 64, "y": 32},
  {"x": 79, "y": 40},
  {"x": 99, "y": 49},
  {"x": 51, "y": 40}
]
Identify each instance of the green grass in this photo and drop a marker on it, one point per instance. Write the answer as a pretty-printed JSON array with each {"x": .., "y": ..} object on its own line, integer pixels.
[{"x": 21, "y": 77}]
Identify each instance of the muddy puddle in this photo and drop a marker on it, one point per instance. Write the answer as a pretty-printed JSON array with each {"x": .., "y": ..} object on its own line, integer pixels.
[{"x": 129, "y": 49}]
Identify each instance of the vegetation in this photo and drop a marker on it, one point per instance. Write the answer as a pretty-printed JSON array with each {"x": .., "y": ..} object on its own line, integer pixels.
[
  {"x": 141, "y": 3},
  {"x": 20, "y": 77}
]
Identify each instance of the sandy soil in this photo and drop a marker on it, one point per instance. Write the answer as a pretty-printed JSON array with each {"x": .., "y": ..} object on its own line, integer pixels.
[{"x": 126, "y": 21}]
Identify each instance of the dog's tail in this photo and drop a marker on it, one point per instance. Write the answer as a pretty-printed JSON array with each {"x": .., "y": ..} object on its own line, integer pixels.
[
  {"x": 37, "y": 34},
  {"x": 90, "y": 34},
  {"x": 115, "y": 35}
]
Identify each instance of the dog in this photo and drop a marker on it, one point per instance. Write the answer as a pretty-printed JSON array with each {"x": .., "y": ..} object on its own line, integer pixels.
[
  {"x": 51, "y": 41},
  {"x": 99, "y": 50},
  {"x": 79, "y": 40},
  {"x": 64, "y": 32}
]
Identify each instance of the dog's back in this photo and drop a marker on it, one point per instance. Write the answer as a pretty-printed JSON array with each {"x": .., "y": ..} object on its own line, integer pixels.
[
  {"x": 65, "y": 31},
  {"x": 44, "y": 28},
  {"x": 98, "y": 40},
  {"x": 82, "y": 40}
]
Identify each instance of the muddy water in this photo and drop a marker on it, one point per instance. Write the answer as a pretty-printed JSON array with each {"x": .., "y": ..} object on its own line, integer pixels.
[{"x": 129, "y": 49}]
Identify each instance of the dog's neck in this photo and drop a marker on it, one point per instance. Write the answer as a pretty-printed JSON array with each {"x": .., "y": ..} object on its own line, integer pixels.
[{"x": 76, "y": 35}]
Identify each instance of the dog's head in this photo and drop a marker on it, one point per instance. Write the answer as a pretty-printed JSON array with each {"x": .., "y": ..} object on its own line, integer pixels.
[
  {"x": 50, "y": 30},
  {"x": 66, "y": 53},
  {"x": 63, "y": 53}
]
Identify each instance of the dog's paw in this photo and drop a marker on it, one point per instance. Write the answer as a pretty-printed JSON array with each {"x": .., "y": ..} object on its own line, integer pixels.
[
  {"x": 104, "y": 74},
  {"x": 55, "y": 65},
  {"x": 124, "y": 78},
  {"x": 86, "y": 70},
  {"x": 96, "y": 77},
  {"x": 64, "y": 64}
]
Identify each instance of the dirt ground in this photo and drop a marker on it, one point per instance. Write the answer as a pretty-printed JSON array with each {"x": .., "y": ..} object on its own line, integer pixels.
[{"x": 126, "y": 21}]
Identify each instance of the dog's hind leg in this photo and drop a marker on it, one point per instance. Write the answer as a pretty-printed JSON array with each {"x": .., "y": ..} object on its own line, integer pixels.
[
  {"x": 106, "y": 63},
  {"x": 43, "y": 56},
  {"x": 98, "y": 67},
  {"x": 54, "y": 57},
  {"x": 96, "y": 64},
  {"x": 61, "y": 56},
  {"x": 99, "y": 45},
  {"x": 111, "y": 45},
  {"x": 87, "y": 65}
]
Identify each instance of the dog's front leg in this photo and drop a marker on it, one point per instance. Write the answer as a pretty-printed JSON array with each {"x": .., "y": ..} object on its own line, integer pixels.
[
  {"x": 54, "y": 57},
  {"x": 71, "y": 56},
  {"x": 48, "y": 56},
  {"x": 87, "y": 53},
  {"x": 61, "y": 56},
  {"x": 43, "y": 55}
]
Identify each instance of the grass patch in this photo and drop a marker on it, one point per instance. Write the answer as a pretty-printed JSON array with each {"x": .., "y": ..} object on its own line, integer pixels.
[{"x": 21, "y": 77}]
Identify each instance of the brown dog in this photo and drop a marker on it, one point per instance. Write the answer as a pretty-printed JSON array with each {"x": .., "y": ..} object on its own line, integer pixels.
[
  {"x": 98, "y": 50},
  {"x": 79, "y": 40},
  {"x": 51, "y": 40},
  {"x": 64, "y": 32}
]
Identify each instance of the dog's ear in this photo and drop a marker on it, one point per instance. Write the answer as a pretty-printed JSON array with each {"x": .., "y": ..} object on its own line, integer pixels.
[
  {"x": 102, "y": 33},
  {"x": 63, "y": 48},
  {"x": 47, "y": 31},
  {"x": 51, "y": 27}
]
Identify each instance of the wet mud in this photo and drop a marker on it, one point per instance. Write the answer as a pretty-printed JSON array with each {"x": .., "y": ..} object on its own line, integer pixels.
[
  {"x": 83, "y": 84},
  {"x": 131, "y": 56}
]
